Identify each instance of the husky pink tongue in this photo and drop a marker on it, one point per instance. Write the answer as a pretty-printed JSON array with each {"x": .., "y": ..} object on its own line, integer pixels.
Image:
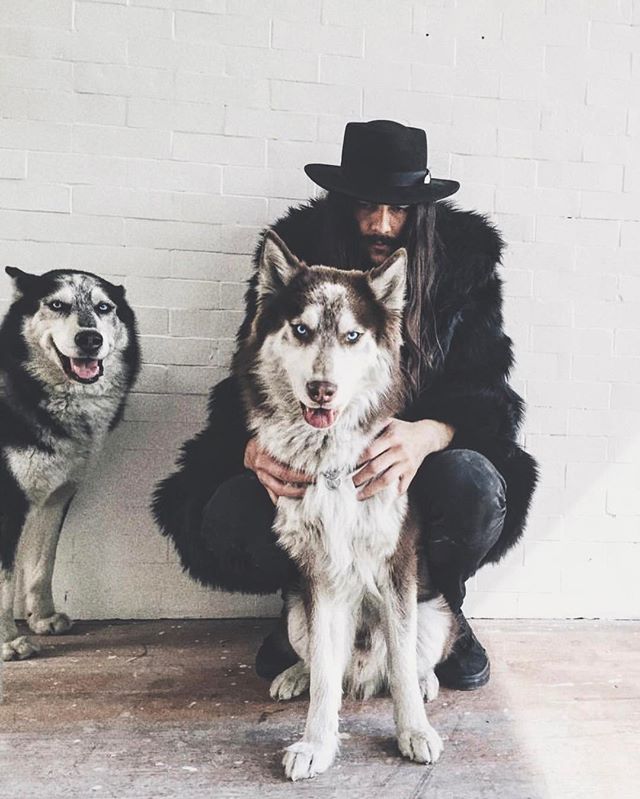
[
  {"x": 84, "y": 368},
  {"x": 319, "y": 417}
]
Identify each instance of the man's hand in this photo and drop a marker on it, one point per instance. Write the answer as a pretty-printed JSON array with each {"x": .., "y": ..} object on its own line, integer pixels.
[
  {"x": 396, "y": 455},
  {"x": 278, "y": 479}
]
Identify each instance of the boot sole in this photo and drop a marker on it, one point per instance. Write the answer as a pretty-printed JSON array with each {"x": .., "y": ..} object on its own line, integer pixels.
[{"x": 470, "y": 682}]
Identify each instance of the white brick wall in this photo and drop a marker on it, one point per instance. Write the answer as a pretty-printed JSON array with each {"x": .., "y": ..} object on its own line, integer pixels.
[{"x": 149, "y": 140}]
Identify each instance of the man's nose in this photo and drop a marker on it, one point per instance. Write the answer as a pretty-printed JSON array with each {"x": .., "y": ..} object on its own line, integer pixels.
[{"x": 381, "y": 221}]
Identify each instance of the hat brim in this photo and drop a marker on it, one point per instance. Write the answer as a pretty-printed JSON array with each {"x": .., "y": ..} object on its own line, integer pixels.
[{"x": 333, "y": 179}]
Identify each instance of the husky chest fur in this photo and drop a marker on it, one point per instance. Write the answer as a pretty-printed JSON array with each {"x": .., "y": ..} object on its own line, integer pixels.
[
  {"x": 68, "y": 357},
  {"x": 320, "y": 374}
]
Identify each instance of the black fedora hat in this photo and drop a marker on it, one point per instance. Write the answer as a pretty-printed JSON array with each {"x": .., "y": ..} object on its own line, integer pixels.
[{"x": 383, "y": 162}]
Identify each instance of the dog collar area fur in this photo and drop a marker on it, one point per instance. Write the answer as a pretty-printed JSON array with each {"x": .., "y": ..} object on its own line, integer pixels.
[{"x": 333, "y": 477}]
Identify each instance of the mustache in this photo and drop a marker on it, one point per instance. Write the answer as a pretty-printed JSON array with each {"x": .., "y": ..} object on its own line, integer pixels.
[{"x": 389, "y": 241}]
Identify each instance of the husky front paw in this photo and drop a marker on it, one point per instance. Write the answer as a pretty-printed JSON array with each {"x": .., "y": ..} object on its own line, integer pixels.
[
  {"x": 305, "y": 759},
  {"x": 291, "y": 682},
  {"x": 423, "y": 745},
  {"x": 51, "y": 625},
  {"x": 20, "y": 648}
]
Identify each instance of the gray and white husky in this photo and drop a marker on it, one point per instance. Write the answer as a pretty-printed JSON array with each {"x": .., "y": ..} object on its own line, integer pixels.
[
  {"x": 320, "y": 373},
  {"x": 68, "y": 357}
]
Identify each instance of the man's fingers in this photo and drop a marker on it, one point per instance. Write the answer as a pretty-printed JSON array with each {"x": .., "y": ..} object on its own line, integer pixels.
[
  {"x": 281, "y": 472},
  {"x": 390, "y": 477},
  {"x": 278, "y": 488},
  {"x": 375, "y": 467},
  {"x": 385, "y": 440}
]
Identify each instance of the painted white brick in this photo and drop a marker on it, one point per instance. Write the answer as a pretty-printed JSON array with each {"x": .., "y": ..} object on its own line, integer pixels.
[
  {"x": 28, "y": 196},
  {"x": 32, "y": 135},
  {"x": 283, "y": 9},
  {"x": 36, "y": 74},
  {"x": 308, "y": 97},
  {"x": 379, "y": 74},
  {"x": 249, "y": 181},
  {"x": 317, "y": 38},
  {"x": 194, "y": 87},
  {"x": 270, "y": 124},
  {"x": 193, "y": 379},
  {"x": 143, "y": 112},
  {"x": 96, "y": 18},
  {"x": 200, "y": 147},
  {"x": 147, "y": 51},
  {"x": 610, "y": 205},
  {"x": 262, "y": 62},
  {"x": 360, "y": 12},
  {"x": 569, "y": 58},
  {"x": 210, "y": 266},
  {"x": 224, "y": 209},
  {"x": 415, "y": 47},
  {"x": 122, "y": 80},
  {"x": 215, "y": 324},
  {"x": 105, "y": 140},
  {"x": 538, "y": 201},
  {"x": 223, "y": 29},
  {"x": 35, "y": 13},
  {"x": 611, "y": 36},
  {"x": 13, "y": 164},
  {"x": 592, "y": 177}
]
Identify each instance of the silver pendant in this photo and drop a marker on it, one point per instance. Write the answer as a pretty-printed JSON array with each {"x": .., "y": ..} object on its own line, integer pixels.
[{"x": 333, "y": 478}]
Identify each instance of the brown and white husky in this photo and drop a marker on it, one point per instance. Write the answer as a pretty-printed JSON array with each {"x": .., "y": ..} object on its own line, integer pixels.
[{"x": 320, "y": 372}]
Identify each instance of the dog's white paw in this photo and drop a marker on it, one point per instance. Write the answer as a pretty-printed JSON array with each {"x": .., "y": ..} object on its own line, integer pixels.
[
  {"x": 423, "y": 745},
  {"x": 20, "y": 648},
  {"x": 51, "y": 625},
  {"x": 292, "y": 682},
  {"x": 430, "y": 686},
  {"x": 305, "y": 759}
]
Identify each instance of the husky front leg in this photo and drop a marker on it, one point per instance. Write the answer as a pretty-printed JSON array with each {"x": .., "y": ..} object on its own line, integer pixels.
[
  {"x": 330, "y": 637},
  {"x": 38, "y": 553},
  {"x": 417, "y": 739}
]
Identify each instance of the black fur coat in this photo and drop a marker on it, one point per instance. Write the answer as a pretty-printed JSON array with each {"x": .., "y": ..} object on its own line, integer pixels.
[{"x": 469, "y": 390}]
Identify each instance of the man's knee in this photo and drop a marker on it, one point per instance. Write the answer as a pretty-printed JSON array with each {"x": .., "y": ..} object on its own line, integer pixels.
[
  {"x": 237, "y": 530},
  {"x": 462, "y": 490}
]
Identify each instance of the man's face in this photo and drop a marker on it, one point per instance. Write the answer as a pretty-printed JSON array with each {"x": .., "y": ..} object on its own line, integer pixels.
[{"x": 380, "y": 228}]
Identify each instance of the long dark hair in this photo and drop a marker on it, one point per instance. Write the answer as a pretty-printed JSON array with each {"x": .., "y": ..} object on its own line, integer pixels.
[{"x": 342, "y": 247}]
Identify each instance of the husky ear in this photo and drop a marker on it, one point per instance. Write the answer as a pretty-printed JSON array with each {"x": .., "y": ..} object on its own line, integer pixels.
[
  {"x": 388, "y": 280},
  {"x": 23, "y": 282},
  {"x": 278, "y": 266}
]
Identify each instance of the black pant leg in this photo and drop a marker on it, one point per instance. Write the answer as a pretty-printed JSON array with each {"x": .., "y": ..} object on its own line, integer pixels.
[
  {"x": 237, "y": 530},
  {"x": 460, "y": 496}
]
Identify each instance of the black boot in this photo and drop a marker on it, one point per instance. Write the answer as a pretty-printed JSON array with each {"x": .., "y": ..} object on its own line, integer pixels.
[
  {"x": 276, "y": 653},
  {"x": 467, "y": 667}
]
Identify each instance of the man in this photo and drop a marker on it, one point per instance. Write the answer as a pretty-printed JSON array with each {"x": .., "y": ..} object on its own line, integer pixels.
[{"x": 454, "y": 448}]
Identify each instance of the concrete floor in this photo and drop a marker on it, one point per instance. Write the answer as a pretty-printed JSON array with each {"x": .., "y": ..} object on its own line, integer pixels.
[{"x": 146, "y": 710}]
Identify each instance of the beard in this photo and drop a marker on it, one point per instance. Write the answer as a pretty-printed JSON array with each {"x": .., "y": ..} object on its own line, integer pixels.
[{"x": 368, "y": 242}]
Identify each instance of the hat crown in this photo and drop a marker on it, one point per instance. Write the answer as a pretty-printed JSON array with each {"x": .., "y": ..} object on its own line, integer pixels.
[{"x": 383, "y": 146}]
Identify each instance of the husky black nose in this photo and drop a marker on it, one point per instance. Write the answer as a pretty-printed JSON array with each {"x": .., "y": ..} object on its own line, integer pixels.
[
  {"x": 321, "y": 390},
  {"x": 89, "y": 340}
]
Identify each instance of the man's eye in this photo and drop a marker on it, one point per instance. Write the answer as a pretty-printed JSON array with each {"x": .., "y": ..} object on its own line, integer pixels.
[
  {"x": 399, "y": 209},
  {"x": 352, "y": 336},
  {"x": 55, "y": 305},
  {"x": 301, "y": 331},
  {"x": 103, "y": 307}
]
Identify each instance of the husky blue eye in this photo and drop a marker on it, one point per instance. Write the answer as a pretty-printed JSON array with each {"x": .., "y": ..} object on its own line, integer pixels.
[
  {"x": 301, "y": 331},
  {"x": 352, "y": 336},
  {"x": 56, "y": 305},
  {"x": 103, "y": 307}
]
